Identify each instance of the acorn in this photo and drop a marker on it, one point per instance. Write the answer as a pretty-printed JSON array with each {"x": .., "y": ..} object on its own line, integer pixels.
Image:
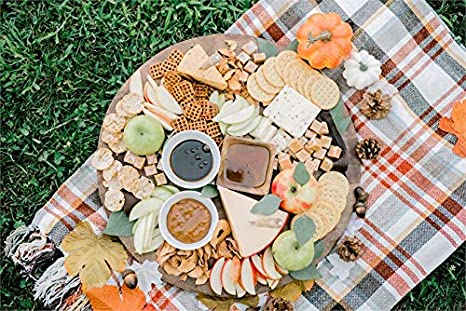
[
  {"x": 130, "y": 278},
  {"x": 361, "y": 194},
  {"x": 360, "y": 209}
]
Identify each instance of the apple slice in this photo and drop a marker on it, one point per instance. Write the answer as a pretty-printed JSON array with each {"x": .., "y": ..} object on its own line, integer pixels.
[
  {"x": 248, "y": 278},
  {"x": 281, "y": 270},
  {"x": 145, "y": 207},
  {"x": 240, "y": 292},
  {"x": 167, "y": 101},
  {"x": 272, "y": 283},
  {"x": 261, "y": 280},
  {"x": 150, "y": 94},
  {"x": 159, "y": 116},
  {"x": 135, "y": 83},
  {"x": 230, "y": 107},
  {"x": 161, "y": 193},
  {"x": 215, "y": 279},
  {"x": 268, "y": 263},
  {"x": 257, "y": 263},
  {"x": 227, "y": 281},
  {"x": 236, "y": 270},
  {"x": 139, "y": 235},
  {"x": 154, "y": 244},
  {"x": 239, "y": 116}
]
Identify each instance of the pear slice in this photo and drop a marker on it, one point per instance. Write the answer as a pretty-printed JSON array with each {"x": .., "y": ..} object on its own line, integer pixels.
[
  {"x": 250, "y": 126},
  {"x": 150, "y": 94},
  {"x": 239, "y": 116},
  {"x": 167, "y": 101},
  {"x": 160, "y": 116},
  {"x": 145, "y": 207},
  {"x": 135, "y": 83}
]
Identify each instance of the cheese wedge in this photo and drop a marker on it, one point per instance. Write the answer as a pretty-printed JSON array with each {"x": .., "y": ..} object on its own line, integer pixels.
[
  {"x": 190, "y": 64},
  {"x": 250, "y": 231}
]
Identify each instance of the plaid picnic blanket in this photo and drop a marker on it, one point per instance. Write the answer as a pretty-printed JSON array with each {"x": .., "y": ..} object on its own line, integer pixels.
[{"x": 416, "y": 216}]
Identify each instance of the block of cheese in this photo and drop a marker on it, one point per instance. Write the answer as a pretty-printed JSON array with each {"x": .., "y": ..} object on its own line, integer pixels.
[
  {"x": 281, "y": 140},
  {"x": 190, "y": 64},
  {"x": 252, "y": 232},
  {"x": 291, "y": 111}
]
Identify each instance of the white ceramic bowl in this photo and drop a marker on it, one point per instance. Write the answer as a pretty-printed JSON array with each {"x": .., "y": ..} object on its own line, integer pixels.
[
  {"x": 175, "y": 141},
  {"x": 168, "y": 237}
]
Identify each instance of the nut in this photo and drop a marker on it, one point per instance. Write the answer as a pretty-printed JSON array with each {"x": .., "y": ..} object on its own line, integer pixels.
[
  {"x": 130, "y": 278},
  {"x": 360, "y": 209},
  {"x": 361, "y": 194}
]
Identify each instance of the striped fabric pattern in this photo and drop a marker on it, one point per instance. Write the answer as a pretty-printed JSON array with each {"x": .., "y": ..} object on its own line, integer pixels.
[{"x": 416, "y": 216}]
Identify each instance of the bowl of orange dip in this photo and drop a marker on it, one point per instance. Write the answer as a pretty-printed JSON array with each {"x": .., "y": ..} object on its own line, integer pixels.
[{"x": 187, "y": 220}]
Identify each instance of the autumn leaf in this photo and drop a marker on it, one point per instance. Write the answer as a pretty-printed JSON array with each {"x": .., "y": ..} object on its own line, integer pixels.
[
  {"x": 224, "y": 304},
  {"x": 88, "y": 256},
  {"x": 457, "y": 126},
  {"x": 108, "y": 298},
  {"x": 292, "y": 291}
]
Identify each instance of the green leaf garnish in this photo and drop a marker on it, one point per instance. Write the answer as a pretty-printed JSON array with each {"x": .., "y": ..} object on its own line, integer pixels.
[
  {"x": 267, "y": 47},
  {"x": 318, "y": 249},
  {"x": 301, "y": 175},
  {"x": 119, "y": 225},
  {"x": 293, "y": 46},
  {"x": 340, "y": 118},
  {"x": 209, "y": 191},
  {"x": 304, "y": 228},
  {"x": 267, "y": 206},
  {"x": 308, "y": 273}
]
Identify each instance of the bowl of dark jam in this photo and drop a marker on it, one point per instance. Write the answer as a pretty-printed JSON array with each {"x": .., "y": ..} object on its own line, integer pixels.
[{"x": 191, "y": 159}]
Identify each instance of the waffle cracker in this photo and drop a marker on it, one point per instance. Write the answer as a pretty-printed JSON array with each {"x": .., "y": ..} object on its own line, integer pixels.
[
  {"x": 200, "y": 125},
  {"x": 193, "y": 111},
  {"x": 182, "y": 90},
  {"x": 155, "y": 71},
  {"x": 171, "y": 78},
  {"x": 188, "y": 101},
  {"x": 181, "y": 124},
  {"x": 325, "y": 93},
  {"x": 218, "y": 140},
  {"x": 201, "y": 90},
  {"x": 210, "y": 111},
  {"x": 213, "y": 129},
  {"x": 175, "y": 56}
]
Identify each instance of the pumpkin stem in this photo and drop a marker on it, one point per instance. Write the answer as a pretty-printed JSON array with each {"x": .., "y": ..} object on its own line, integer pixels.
[
  {"x": 362, "y": 66},
  {"x": 324, "y": 36}
]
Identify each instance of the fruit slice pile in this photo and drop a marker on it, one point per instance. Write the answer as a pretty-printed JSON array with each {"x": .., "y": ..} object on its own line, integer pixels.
[
  {"x": 147, "y": 237},
  {"x": 237, "y": 117}
]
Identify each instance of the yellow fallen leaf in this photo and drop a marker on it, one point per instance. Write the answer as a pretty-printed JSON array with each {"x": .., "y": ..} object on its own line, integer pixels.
[
  {"x": 293, "y": 290},
  {"x": 89, "y": 254},
  {"x": 224, "y": 304}
]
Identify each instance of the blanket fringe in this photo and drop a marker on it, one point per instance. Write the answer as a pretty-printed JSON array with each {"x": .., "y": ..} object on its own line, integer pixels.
[
  {"x": 54, "y": 284},
  {"x": 16, "y": 237},
  {"x": 76, "y": 302}
]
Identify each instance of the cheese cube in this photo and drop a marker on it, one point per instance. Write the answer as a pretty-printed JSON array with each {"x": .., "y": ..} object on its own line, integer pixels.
[
  {"x": 250, "y": 48},
  {"x": 303, "y": 140},
  {"x": 159, "y": 166},
  {"x": 310, "y": 134},
  {"x": 326, "y": 164},
  {"x": 312, "y": 165},
  {"x": 325, "y": 141},
  {"x": 139, "y": 162},
  {"x": 302, "y": 155},
  {"x": 324, "y": 128},
  {"x": 319, "y": 154},
  {"x": 285, "y": 164},
  {"x": 275, "y": 165},
  {"x": 291, "y": 111},
  {"x": 313, "y": 145},
  {"x": 295, "y": 145},
  {"x": 151, "y": 158},
  {"x": 315, "y": 126},
  {"x": 258, "y": 58},
  {"x": 243, "y": 58},
  {"x": 243, "y": 76},
  {"x": 129, "y": 157},
  {"x": 334, "y": 152},
  {"x": 250, "y": 67},
  {"x": 160, "y": 179},
  {"x": 150, "y": 170},
  {"x": 282, "y": 155}
]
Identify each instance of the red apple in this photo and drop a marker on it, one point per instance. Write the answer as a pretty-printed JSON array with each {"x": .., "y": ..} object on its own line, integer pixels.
[
  {"x": 248, "y": 279},
  {"x": 227, "y": 281},
  {"x": 295, "y": 198}
]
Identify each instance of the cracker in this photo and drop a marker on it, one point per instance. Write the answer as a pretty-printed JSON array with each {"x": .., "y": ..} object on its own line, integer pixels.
[
  {"x": 187, "y": 101},
  {"x": 118, "y": 147},
  {"x": 114, "y": 200},
  {"x": 213, "y": 129},
  {"x": 325, "y": 93},
  {"x": 128, "y": 176},
  {"x": 111, "y": 138},
  {"x": 119, "y": 109},
  {"x": 102, "y": 159},
  {"x": 263, "y": 84},
  {"x": 335, "y": 178},
  {"x": 155, "y": 71},
  {"x": 170, "y": 79},
  {"x": 201, "y": 90},
  {"x": 332, "y": 213},
  {"x": 114, "y": 123},
  {"x": 256, "y": 92},
  {"x": 193, "y": 111},
  {"x": 210, "y": 111},
  {"x": 175, "y": 56},
  {"x": 168, "y": 65},
  {"x": 321, "y": 221},
  {"x": 270, "y": 73},
  {"x": 332, "y": 194},
  {"x": 112, "y": 171},
  {"x": 113, "y": 183},
  {"x": 283, "y": 58},
  {"x": 292, "y": 71},
  {"x": 218, "y": 140},
  {"x": 306, "y": 75},
  {"x": 183, "y": 90},
  {"x": 133, "y": 103},
  {"x": 200, "y": 125},
  {"x": 143, "y": 188},
  {"x": 181, "y": 124}
]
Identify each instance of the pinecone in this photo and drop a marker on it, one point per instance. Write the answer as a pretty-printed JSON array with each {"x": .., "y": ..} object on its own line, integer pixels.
[
  {"x": 349, "y": 249},
  {"x": 278, "y": 304},
  {"x": 376, "y": 105},
  {"x": 367, "y": 149}
]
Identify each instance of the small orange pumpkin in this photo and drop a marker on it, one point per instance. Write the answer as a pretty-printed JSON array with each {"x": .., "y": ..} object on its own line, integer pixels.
[{"x": 324, "y": 40}]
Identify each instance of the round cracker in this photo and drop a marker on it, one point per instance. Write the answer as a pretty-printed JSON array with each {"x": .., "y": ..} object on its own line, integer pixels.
[
  {"x": 102, "y": 159},
  {"x": 117, "y": 147},
  {"x": 143, "y": 188},
  {"x": 292, "y": 72},
  {"x": 263, "y": 84},
  {"x": 309, "y": 83},
  {"x": 113, "y": 183},
  {"x": 112, "y": 171},
  {"x": 114, "y": 200},
  {"x": 128, "y": 176},
  {"x": 256, "y": 92},
  {"x": 114, "y": 123},
  {"x": 111, "y": 138},
  {"x": 119, "y": 109},
  {"x": 283, "y": 58},
  {"x": 321, "y": 221},
  {"x": 325, "y": 93},
  {"x": 332, "y": 194},
  {"x": 302, "y": 79},
  {"x": 336, "y": 178},
  {"x": 133, "y": 104},
  {"x": 270, "y": 73},
  {"x": 332, "y": 213}
]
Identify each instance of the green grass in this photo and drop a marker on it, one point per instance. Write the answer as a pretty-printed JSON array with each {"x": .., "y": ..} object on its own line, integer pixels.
[{"x": 61, "y": 64}]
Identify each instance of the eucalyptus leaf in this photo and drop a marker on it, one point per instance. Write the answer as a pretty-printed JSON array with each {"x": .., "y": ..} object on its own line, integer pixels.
[
  {"x": 267, "y": 206},
  {"x": 119, "y": 225},
  {"x": 293, "y": 46},
  {"x": 209, "y": 191},
  {"x": 304, "y": 228},
  {"x": 339, "y": 118},
  {"x": 318, "y": 249},
  {"x": 267, "y": 47},
  {"x": 301, "y": 175},
  {"x": 308, "y": 273}
]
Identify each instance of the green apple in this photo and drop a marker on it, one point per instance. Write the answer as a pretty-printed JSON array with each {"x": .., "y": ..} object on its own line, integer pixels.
[
  {"x": 289, "y": 255},
  {"x": 143, "y": 135}
]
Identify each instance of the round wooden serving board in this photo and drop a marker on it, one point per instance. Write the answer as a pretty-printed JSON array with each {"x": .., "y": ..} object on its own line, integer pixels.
[{"x": 348, "y": 164}]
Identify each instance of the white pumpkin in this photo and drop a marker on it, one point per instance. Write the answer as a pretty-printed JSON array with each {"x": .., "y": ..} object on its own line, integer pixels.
[{"x": 361, "y": 70}]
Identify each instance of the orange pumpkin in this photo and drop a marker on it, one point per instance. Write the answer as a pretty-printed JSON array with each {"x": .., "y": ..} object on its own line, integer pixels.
[{"x": 324, "y": 40}]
